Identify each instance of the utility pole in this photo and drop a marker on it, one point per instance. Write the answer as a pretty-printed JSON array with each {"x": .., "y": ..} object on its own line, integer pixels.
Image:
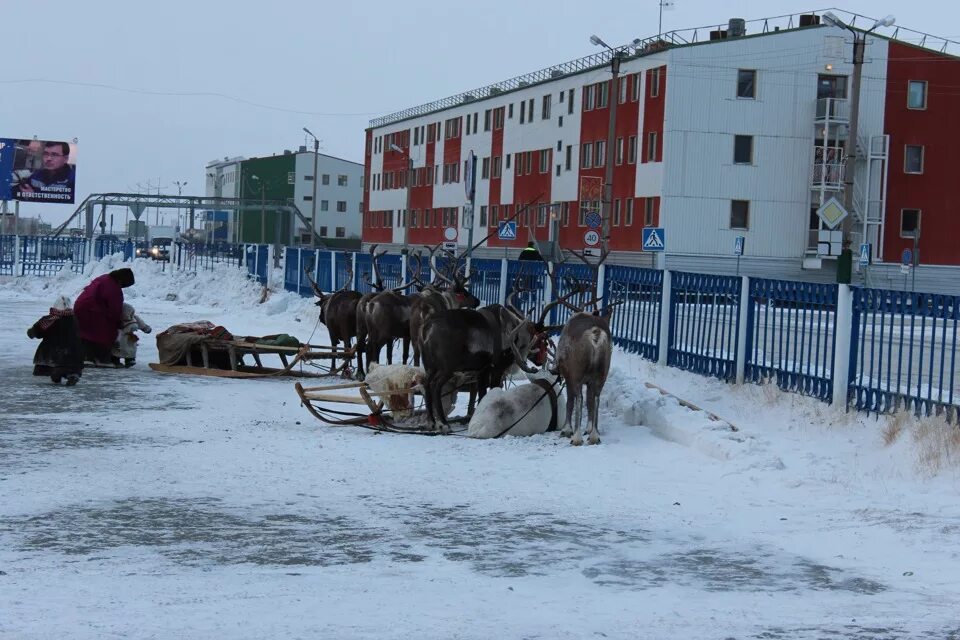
[
  {"x": 313, "y": 204},
  {"x": 613, "y": 96}
]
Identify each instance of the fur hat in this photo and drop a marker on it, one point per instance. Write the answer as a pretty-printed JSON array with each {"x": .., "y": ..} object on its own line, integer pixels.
[
  {"x": 62, "y": 303},
  {"x": 128, "y": 310},
  {"x": 124, "y": 277}
]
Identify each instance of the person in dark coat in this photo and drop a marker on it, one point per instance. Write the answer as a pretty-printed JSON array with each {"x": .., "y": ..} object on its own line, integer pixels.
[
  {"x": 60, "y": 354},
  {"x": 99, "y": 312},
  {"x": 530, "y": 252}
]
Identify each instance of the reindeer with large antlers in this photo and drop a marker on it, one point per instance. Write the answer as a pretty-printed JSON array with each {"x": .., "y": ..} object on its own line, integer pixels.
[
  {"x": 583, "y": 360},
  {"x": 448, "y": 291},
  {"x": 338, "y": 311}
]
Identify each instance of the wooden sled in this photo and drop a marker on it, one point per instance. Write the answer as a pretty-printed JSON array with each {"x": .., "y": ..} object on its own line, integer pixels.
[
  {"x": 237, "y": 349},
  {"x": 372, "y": 411}
]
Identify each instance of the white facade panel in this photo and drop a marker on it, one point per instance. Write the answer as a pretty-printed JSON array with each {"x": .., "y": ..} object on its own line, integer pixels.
[{"x": 335, "y": 195}]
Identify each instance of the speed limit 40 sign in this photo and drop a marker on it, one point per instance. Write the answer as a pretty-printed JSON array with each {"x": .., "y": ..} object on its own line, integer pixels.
[{"x": 591, "y": 238}]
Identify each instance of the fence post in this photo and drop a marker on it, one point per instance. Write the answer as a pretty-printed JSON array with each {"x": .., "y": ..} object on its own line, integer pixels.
[
  {"x": 601, "y": 285},
  {"x": 333, "y": 270},
  {"x": 841, "y": 355},
  {"x": 270, "y": 259},
  {"x": 664, "y": 339},
  {"x": 353, "y": 270},
  {"x": 503, "y": 281},
  {"x": 548, "y": 291},
  {"x": 403, "y": 269},
  {"x": 741, "y": 357}
]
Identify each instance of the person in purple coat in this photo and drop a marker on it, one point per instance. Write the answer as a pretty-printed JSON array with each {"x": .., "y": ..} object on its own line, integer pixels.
[{"x": 99, "y": 313}]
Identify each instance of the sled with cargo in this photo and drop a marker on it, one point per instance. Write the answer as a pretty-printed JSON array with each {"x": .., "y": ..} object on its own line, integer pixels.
[{"x": 200, "y": 348}]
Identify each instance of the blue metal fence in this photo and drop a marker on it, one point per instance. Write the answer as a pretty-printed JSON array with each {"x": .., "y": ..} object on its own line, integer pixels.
[
  {"x": 704, "y": 323},
  {"x": 903, "y": 352},
  {"x": 531, "y": 277},
  {"x": 7, "y": 256},
  {"x": 791, "y": 335},
  {"x": 485, "y": 280},
  {"x": 571, "y": 277},
  {"x": 344, "y": 264},
  {"x": 258, "y": 262},
  {"x": 45, "y": 256},
  {"x": 635, "y": 325}
]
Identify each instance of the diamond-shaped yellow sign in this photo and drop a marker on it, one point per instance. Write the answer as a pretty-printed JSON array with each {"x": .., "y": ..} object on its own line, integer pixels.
[{"x": 832, "y": 213}]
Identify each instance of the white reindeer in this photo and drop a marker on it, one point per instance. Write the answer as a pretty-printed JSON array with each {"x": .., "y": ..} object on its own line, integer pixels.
[{"x": 523, "y": 410}]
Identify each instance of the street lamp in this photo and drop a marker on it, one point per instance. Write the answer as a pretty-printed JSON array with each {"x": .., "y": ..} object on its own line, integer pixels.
[
  {"x": 613, "y": 97},
  {"x": 406, "y": 213},
  {"x": 859, "y": 44},
  {"x": 313, "y": 204},
  {"x": 180, "y": 186}
]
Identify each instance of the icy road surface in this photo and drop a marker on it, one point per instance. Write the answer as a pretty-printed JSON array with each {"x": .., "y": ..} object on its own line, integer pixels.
[{"x": 141, "y": 505}]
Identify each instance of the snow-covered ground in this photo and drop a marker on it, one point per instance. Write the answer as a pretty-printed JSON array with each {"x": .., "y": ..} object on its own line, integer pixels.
[{"x": 138, "y": 505}]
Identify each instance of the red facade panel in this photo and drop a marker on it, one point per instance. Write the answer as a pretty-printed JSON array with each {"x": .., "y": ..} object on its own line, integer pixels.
[
  {"x": 936, "y": 128},
  {"x": 421, "y": 198}
]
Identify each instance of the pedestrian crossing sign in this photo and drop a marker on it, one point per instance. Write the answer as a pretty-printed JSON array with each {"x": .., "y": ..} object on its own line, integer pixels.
[
  {"x": 507, "y": 230},
  {"x": 654, "y": 239}
]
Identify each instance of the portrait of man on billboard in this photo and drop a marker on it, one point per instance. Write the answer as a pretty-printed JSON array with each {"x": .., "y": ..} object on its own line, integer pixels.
[{"x": 44, "y": 171}]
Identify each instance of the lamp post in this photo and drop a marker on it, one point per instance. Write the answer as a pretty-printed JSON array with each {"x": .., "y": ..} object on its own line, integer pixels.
[
  {"x": 313, "y": 204},
  {"x": 859, "y": 44},
  {"x": 613, "y": 97},
  {"x": 217, "y": 193},
  {"x": 263, "y": 208},
  {"x": 180, "y": 186},
  {"x": 406, "y": 212}
]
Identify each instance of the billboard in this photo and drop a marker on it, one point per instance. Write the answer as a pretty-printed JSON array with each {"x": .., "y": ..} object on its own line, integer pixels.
[{"x": 38, "y": 170}]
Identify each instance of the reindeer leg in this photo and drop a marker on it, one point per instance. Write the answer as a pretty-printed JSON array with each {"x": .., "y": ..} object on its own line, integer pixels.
[
  {"x": 593, "y": 408},
  {"x": 567, "y": 429},
  {"x": 390, "y": 351},
  {"x": 577, "y": 438},
  {"x": 406, "y": 349}
]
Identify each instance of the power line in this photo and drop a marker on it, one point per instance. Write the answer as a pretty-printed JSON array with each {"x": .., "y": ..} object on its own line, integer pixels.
[{"x": 182, "y": 94}]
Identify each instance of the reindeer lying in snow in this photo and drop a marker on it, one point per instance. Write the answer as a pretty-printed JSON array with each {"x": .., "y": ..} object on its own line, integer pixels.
[{"x": 524, "y": 410}]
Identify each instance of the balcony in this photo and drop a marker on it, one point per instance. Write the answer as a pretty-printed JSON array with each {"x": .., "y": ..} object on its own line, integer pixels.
[
  {"x": 829, "y": 164},
  {"x": 834, "y": 110}
]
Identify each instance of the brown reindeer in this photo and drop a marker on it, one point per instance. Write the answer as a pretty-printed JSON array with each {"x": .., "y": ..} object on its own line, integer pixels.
[
  {"x": 338, "y": 312},
  {"x": 386, "y": 317}
]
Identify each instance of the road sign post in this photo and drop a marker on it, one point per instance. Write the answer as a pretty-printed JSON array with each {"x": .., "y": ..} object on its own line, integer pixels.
[
  {"x": 654, "y": 240},
  {"x": 738, "y": 245},
  {"x": 470, "y": 186}
]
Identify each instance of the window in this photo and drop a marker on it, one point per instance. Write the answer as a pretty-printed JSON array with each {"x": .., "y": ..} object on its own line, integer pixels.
[
  {"x": 648, "y": 204},
  {"x": 589, "y": 96},
  {"x": 603, "y": 95},
  {"x": 523, "y": 111},
  {"x": 341, "y": 232},
  {"x": 739, "y": 214},
  {"x": 324, "y": 205},
  {"x": 291, "y": 177},
  {"x": 829, "y": 86},
  {"x": 545, "y": 110},
  {"x": 360, "y": 208},
  {"x": 308, "y": 178},
  {"x": 628, "y": 221},
  {"x": 600, "y": 156},
  {"x": 530, "y": 110},
  {"x": 451, "y": 128},
  {"x": 913, "y": 159},
  {"x": 616, "y": 212},
  {"x": 485, "y": 168},
  {"x": 414, "y": 218},
  {"x": 634, "y": 87},
  {"x": 586, "y": 155},
  {"x": 542, "y": 215},
  {"x": 496, "y": 166},
  {"x": 582, "y": 218},
  {"x": 560, "y": 121},
  {"x": 619, "y": 152},
  {"x": 498, "y": 118},
  {"x": 476, "y": 118},
  {"x": 559, "y": 169},
  {"x": 483, "y": 216},
  {"x": 487, "y": 119},
  {"x": 909, "y": 222},
  {"x": 325, "y": 179},
  {"x": 747, "y": 83},
  {"x": 565, "y": 214},
  {"x": 632, "y": 150},
  {"x": 508, "y": 160},
  {"x": 916, "y": 94},
  {"x": 652, "y": 146},
  {"x": 341, "y": 206},
  {"x": 510, "y": 111},
  {"x": 493, "y": 216},
  {"x": 743, "y": 149},
  {"x": 307, "y": 198},
  {"x": 342, "y": 181},
  {"x": 622, "y": 94},
  {"x": 416, "y": 135},
  {"x": 655, "y": 82},
  {"x": 570, "y": 101},
  {"x": 544, "y": 160},
  {"x": 569, "y": 157}
]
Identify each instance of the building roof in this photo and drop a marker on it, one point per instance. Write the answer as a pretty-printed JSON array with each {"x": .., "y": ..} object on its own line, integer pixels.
[{"x": 668, "y": 40}]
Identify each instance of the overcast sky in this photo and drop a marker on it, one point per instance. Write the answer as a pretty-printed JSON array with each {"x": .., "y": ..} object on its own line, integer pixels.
[{"x": 328, "y": 66}]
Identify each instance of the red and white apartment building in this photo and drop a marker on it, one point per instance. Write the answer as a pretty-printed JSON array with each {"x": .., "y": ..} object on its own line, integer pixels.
[{"x": 720, "y": 132}]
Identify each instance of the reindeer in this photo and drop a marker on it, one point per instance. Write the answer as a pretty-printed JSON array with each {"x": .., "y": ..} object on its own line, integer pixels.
[
  {"x": 338, "y": 311},
  {"x": 387, "y": 318},
  {"x": 583, "y": 359},
  {"x": 434, "y": 299}
]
